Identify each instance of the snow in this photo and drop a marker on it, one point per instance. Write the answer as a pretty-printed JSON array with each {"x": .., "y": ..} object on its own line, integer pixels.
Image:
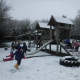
[
  {"x": 63, "y": 20},
  {"x": 44, "y": 25},
  {"x": 37, "y": 68}
]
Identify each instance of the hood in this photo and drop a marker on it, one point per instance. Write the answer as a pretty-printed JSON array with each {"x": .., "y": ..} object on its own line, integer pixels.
[{"x": 19, "y": 48}]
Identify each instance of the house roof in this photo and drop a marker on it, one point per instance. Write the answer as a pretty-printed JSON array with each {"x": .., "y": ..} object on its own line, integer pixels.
[
  {"x": 43, "y": 25},
  {"x": 63, "y": 20},
  {"x": 54, "y": 20}
]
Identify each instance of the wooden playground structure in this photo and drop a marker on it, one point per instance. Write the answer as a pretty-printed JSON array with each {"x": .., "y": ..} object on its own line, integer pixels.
[
  {"x": 57, "y": 26},
  {"x": 60, "y": 23}
]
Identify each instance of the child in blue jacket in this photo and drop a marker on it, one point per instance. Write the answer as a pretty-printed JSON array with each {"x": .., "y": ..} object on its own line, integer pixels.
[{"x": 19, "y": 55}]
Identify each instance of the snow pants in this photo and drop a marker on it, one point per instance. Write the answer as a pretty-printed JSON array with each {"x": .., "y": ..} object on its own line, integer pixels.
[
  {"x": 69, "y": 45},
  {"x": 8, "y": 59},
  {"x": 24, "y": 51},
  {"x": 76, "y": 48}
]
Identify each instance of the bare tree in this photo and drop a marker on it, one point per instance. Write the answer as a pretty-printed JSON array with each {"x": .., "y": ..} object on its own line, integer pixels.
[
  {"x": 4, "y": 15},
  {"x": 44, "y": 20},
  {"x": 76, "y": 22},
  {"x": 24, "y": 24},
  {"x": 33, "y": 25}
]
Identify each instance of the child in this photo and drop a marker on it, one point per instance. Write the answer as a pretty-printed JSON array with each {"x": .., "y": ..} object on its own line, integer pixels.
[
  {"x": 11, "y": 57},
  {"x": 24, "y": 48},
  {"x": 76, "y": 44},
  {"x": 39, "y": 43},
  {"x": 18, "y": 56},
  {"x": 13, "y": 46},
  {"x": 69, "y": 45}
]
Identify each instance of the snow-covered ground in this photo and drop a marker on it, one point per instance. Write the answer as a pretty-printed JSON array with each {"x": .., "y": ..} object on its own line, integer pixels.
[{"x": 37, "y": 68}]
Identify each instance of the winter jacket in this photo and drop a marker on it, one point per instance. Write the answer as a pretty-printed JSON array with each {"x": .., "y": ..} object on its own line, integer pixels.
[
  {"x": 24, "y": 48},
  {"x": 76, "y": 44},
  {"x": 67, "y": 40},
  {"x": 12, "y": 45},
  {"x": 19, "y": 54}
]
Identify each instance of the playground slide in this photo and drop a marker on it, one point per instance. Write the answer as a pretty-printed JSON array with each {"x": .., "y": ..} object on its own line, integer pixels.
[
  {"x": 70, "y": 51},
  {"x": 65, "y": 49},
  {"x": 40, "y": 47}
]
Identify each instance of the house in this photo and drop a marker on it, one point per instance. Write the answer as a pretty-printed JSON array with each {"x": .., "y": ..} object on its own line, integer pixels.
[{"x": 43, "y": 30}]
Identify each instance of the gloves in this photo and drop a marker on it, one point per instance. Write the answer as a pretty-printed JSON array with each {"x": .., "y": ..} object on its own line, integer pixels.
[{"x": 25, "y": 58}]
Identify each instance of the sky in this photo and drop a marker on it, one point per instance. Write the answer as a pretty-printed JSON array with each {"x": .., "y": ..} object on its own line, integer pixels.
[
  {"x": 43, "y": 9},
  {"x": 36, "y": 68}
]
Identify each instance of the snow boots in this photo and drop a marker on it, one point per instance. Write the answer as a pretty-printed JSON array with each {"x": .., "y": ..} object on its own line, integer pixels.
[{"x": 16, "y": 66}]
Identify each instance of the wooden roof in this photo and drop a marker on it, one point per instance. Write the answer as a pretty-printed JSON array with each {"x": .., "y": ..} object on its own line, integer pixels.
[{"x": 54, "y": 21}]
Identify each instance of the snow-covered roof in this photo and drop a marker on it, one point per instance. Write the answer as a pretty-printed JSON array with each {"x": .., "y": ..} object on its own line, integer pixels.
[
  {"x": 54, "y": 20},
  {"x": 44, "y": 25},
  {"x": 63, "y": 20}
]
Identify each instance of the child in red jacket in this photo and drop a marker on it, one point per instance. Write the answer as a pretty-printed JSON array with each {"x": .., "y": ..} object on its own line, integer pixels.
[
  {"x": 76, "y": 44},
  {"x": 11, "y": 57}
]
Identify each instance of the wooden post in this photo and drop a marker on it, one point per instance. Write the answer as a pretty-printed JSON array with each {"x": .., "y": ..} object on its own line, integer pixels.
[
  {"x": 69, "y": 34},
  {"x": 37, "y": 39},
  {"x": 57, "y": 38},
  {"x": 34, "y": 39},
  {"x": 30, "y": 39},
  {"x": 41, "y": 38},
  {"x": 60, "y": 49},
  {"x": 50, "y": 32},
  {"x": 50, "y": 38}
]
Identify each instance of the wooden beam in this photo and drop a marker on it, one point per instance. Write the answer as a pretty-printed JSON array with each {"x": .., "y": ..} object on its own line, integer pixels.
[
  {"x": 69, "y": 34},
  {"x": 34, "y": 39},
  {"x": 37, "y": 40},
  {"x": 50, "y": 32},
  {"x": 50, "y": 38},
  {"x": 30, "y": 39},
  {"x": 60, "y": 49},
  {"x": 57, "y": 35}
]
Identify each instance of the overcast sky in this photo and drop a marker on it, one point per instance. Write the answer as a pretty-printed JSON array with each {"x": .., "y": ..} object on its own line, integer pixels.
[{"x": 43, "y": 9}]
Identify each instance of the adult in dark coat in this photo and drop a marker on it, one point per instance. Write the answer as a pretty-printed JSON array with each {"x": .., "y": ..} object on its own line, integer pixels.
[
  {"x": 13, "y": 46},
  {"x": 24, "y": 48},
  {"x": 18, "y": 56}
]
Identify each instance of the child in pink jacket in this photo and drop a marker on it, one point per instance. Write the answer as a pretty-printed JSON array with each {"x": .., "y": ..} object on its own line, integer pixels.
[
  {"x": 11, "y": 58},
  {"x": 76, "y": 44}
]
